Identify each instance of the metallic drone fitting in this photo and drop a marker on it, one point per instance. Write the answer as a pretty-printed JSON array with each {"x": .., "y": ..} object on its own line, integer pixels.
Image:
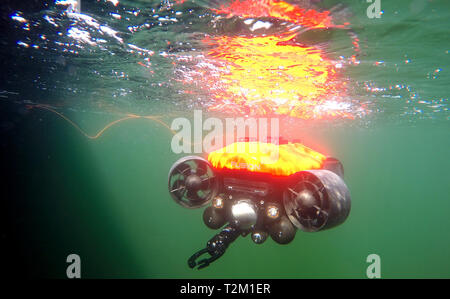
[{"x": 303, "y": 190}]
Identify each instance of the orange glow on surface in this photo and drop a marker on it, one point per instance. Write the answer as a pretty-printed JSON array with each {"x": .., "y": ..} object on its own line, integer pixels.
[
  {"x": 272, "y": 75},
  {"x": 278, "y": 9},
  {"x": 259, "y": 157}
]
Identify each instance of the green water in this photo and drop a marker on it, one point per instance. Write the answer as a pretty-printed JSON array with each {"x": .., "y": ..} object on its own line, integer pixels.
[{"x": 107, "y": 200}]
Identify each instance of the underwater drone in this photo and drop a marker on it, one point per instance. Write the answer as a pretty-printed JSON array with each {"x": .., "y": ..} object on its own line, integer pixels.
[{"x": 249, "y": 194}]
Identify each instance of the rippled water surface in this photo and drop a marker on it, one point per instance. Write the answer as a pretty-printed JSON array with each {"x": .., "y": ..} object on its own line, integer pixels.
[{"x": 86, "y": 94}]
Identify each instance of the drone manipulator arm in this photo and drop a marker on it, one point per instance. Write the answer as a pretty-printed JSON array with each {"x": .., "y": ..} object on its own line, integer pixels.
[{"x": 215, "y": 247}]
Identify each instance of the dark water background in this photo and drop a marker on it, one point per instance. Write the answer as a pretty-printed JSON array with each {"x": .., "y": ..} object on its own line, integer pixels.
[{"x": 106, "y": 199}]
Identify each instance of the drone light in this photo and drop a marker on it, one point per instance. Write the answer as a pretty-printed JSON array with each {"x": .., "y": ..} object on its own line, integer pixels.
[
  {"x": 218, "y": 202},
  {"x": 272, "y": 212}
]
